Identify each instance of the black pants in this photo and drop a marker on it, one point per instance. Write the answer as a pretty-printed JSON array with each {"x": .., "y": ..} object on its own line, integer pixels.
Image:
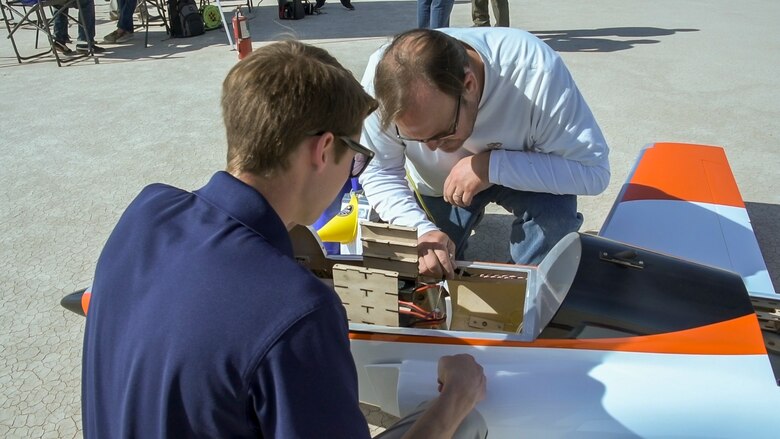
[{"x": 346, "y": 3}]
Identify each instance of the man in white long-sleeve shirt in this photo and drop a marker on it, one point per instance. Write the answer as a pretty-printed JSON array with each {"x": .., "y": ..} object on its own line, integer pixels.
[{"x": 473, "y": 116}]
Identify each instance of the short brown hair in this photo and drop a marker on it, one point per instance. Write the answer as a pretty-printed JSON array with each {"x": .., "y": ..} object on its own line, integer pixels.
[
  {"x": 418, "y": 55},
  {"x": 281, "y": 93}
]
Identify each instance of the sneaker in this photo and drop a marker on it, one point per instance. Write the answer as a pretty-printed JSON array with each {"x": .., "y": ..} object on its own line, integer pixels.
[
  {"x": 124, "y": 37},
  {"x": 62, "y": 48},
  {"x": 82, "y": 47},
  {"x": 111, "y": 38},
  {"x": 118, "y": 36}
]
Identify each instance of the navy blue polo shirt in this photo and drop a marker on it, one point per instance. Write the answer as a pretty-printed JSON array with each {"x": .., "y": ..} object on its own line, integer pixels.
[{"x": 202, "y": 324}]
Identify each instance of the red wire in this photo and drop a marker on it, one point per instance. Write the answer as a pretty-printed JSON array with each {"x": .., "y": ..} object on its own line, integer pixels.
[
  {"x": 413, "y": 306},
  {"x": 413, "y": 313}
]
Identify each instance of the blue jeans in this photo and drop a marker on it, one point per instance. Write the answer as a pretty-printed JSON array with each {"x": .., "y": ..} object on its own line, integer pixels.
[
  {"x": 126, "y": 10},
  {"x": 86, "y": 16},
  {"x": 433, "y": 14},
  {"x": 541, "y": 220}
]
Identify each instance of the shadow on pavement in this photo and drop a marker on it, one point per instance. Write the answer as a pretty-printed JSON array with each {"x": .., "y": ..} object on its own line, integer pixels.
[
  {"x": 764, "y": 219},
  {"x": 599, "y": 40}
]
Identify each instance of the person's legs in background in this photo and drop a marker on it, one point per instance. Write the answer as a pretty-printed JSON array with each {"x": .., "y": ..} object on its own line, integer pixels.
[
  {"x": 424, "y": 14},
  {"x": 458, "y": 222},
  {"x": 479, "y": 13},
  {"x": 126, "y": 11},
  {"x": 61, "y": 37},
  {"x": 87, "y": 27},
  {"x": 347, "y": 4},
  {"x": 440, "y": 13},
  {"x": 541, "y": 220},
  {"x": 124, "y": 26},
  {"x": 500, "y": 12}
]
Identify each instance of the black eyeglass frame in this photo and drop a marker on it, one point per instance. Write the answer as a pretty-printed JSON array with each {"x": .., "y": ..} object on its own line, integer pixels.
[
  {"x": 362, "y": 157},
  {"x": 453, "y": 129}
]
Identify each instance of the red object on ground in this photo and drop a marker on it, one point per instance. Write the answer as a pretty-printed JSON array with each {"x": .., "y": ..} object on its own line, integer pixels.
[{"x": 241, "y": 34}]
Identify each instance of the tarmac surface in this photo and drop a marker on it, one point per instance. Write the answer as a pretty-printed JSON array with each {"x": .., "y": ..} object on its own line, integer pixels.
[{"x": 77, "y": 143}]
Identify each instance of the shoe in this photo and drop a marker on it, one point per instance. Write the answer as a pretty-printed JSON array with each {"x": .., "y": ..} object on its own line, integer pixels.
[
  {"x": 113, "y": 15},
  {"x": 82, "y": 47},
  {"x": 62, "y": 48},
  {"x": 118, "y": 36},
  {"x": 111, "y": 38},
  {"x": 350, "y": 7},
  {"x": 125, "y": 37}
]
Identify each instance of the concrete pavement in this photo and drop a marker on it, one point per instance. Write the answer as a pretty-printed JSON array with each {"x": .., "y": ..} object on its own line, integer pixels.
[{"x": 77, "y": 143}]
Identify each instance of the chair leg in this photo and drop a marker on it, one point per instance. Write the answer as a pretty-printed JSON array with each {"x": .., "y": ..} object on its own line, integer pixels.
[
  {"x": 145, "y": 17},
  {"x": 7, "y": 21},
  {"x": 42, "y": 19},
  {"x": 24, "y": 19},
  {"x": 43, "y": 24}
]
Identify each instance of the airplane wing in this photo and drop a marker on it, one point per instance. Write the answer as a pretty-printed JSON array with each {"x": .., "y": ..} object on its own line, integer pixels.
[{"x": 682, "y": 200}]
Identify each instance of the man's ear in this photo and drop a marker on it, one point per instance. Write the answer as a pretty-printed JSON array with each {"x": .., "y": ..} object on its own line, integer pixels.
[
  {"x": 470, "y": 81},
  {"x": 321, "y": 150}
]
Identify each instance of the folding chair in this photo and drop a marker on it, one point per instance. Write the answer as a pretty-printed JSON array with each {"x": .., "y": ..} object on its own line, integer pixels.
[
  {"x": 25, "y": 13},
  {"x": 161, "y": 6}
]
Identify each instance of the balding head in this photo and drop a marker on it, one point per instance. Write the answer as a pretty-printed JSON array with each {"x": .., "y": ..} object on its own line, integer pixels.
[{"x": 418, "y": 58}]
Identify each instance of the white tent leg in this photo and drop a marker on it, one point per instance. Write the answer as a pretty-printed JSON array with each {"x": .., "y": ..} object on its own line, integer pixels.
[{"x": 225, "y": 26}]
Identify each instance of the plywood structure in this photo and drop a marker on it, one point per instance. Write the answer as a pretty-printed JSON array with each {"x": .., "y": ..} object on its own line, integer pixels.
[
  {"x": 369, "y": 295},
  {"x": 390, "y": 247},
  {"x": 487, "y": 305}
]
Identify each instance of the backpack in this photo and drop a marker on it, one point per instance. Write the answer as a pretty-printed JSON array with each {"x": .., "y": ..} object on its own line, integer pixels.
[
  {"x": 186, "y": 20},
  {"x": 291, "y": 9}
]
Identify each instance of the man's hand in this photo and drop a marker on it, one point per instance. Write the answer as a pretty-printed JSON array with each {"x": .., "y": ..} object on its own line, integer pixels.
[
  {"x": 463, "y": 379},
  {"x": 467, "y": 178},
  {"x": 462, "y": 384},
  {"x": 436, "y": 255}
]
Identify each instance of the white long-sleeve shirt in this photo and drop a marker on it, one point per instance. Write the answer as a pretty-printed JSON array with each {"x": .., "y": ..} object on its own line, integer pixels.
[{"x": 531, "y": 115}]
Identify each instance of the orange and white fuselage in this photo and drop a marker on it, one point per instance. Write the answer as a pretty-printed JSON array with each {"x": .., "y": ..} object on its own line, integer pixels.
[{"x": 675, "y": 365}]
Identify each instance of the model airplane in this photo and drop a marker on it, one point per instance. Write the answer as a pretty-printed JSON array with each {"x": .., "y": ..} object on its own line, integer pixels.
[{"x": 603, "y": 338}]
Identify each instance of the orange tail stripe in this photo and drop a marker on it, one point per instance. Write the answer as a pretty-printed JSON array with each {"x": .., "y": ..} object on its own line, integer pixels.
[
  {"x": 740, "y": 336},
  {"x": 85, "y": 301},
  {"x": 679, "y": 171}
]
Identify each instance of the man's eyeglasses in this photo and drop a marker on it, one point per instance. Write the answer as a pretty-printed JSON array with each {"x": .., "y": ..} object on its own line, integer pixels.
[
  {"x": 453, "y": 129},
  {"x": 362, "y": 157}
]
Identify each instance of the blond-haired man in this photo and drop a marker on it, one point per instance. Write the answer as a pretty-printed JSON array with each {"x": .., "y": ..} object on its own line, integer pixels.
[{"x": 201, "y": 323}]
